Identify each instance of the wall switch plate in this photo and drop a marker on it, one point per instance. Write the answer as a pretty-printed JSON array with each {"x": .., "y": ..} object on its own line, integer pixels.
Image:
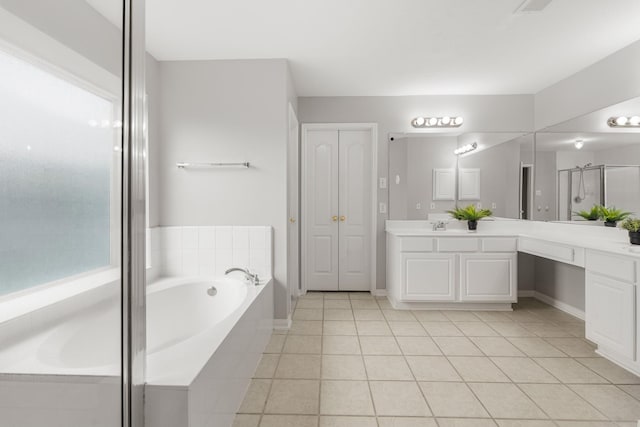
[
  {"x": 538, "y": 192},
  {"x": 479, "y": 205},
  {"x": 418, "y": 206},
  {"x": 383, "y": 208},
  {"x": 397, "y": 179},
  {"x": 432, "y": 206},
  {"x": 493, "y": 205},
  {"x": 383, "y": 182}
]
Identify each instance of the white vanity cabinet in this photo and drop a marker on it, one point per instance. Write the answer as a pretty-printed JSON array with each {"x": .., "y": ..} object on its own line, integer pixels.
[
  {"x": 488, "y": 277},
  {"x": 610, "y": 304},
  {"x": 464, "y": 269}
]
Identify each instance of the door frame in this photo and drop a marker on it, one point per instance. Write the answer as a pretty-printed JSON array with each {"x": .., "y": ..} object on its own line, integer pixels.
[
  {"x": 292, "y": 179},
  {"x": 305, "y": 128},
  {"x": 528, "y": 167}
]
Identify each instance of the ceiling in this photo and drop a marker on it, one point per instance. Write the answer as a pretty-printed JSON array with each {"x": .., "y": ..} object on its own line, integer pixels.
[{"x": 401, "y": 47}]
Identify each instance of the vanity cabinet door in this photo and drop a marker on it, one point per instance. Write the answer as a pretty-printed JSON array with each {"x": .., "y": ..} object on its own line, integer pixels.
[
  {"x": 609, "y": 309},
  {"x": 428, "y": 277},
  {"x": 488, "y": 277}
]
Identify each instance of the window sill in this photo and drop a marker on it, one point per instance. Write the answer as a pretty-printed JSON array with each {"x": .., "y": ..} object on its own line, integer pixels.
[{"x": 27, "y": 302}]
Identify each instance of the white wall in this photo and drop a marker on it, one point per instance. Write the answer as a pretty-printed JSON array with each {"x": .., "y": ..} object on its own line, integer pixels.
[
  {"x": 226, "y": 111},
  {"x": 482, "y": 113},
  {"x": 153, "y": 152},
  {"x": 609, "y": 81}
]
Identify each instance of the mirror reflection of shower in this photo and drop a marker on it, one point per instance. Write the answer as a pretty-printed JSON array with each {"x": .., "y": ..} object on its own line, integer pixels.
[
  {"x": 582, "y": 191},
  {"x": 582, "y": 187}
]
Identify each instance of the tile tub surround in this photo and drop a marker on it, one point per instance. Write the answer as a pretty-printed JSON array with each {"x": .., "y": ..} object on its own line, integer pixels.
[
  {"x": 210, "y": 250},
  {"x": 434, "y": 368}
]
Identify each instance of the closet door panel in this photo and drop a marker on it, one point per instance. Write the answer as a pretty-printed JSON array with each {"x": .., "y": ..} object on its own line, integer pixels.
[
  {"x": 321, "y": 196},
  {"x": 355, "y": 210}
]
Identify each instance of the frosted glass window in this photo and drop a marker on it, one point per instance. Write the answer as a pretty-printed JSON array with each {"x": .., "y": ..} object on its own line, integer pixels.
[{"x": 56, "y": 160}]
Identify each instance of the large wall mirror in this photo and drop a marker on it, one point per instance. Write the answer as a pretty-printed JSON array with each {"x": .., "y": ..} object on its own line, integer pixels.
[
  {"x": 427, "y": 177},
  {"x": 584, "y": 163}
]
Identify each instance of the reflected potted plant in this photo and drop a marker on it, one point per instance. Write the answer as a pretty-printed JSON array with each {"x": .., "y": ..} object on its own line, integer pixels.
[
  {"x": 470, "y": 214},
  {"x": 632, "y": 225},
  {"x": 611, "y": 215},
  {"x": 591, "y": 215}
]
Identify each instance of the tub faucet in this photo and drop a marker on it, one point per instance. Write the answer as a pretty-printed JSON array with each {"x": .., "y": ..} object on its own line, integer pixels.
[
  {"x": 439, "y": 225},
  {"x": 250, "y": 277}
]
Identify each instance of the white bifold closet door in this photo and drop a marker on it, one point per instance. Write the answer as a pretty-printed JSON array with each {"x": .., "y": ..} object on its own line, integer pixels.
[{"x": 338, "y": 210}]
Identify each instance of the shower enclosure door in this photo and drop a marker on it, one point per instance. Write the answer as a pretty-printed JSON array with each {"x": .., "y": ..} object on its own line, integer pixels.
[{"x": 70, "y": 287}]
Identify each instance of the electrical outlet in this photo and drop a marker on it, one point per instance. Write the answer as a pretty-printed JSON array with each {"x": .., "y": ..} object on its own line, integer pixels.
[
  {"x": 397, "y": 179},
  {"x": 493, "y": 205},
  {"x": 383, "y": 208},
  {"x": 432, "y": 206},
  {"x": 383, "y": 182},
  {"x": 418, "y": 206},
  {"x": 479, "y": 205}
]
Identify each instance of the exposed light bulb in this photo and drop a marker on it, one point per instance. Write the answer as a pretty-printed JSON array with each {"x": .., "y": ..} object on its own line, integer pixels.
[
  {"x": 117, "y": 124},
  {"x": 445, "y": 122},
  {"x": 93, "y": 123},
  {"x": 578, "y": 144},
  {"x": 621, "y": 121},
  {"x": 634, "y": 120},
  {"x": 465, "y": 148}
]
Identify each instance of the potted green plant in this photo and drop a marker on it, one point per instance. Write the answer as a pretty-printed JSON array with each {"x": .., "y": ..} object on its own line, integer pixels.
[
  {"x": 611, "y": 215},
  {"x": 470, "y": 214},
  {"x": 590, "y": 215},
  {"x": 632, "y": 225}
]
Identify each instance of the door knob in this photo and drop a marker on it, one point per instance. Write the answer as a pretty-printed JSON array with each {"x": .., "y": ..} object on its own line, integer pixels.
[
  {"x": 334, "y": 218},
  {"x": 292, "y": 220},
  {"x": 343, "y": 218}
]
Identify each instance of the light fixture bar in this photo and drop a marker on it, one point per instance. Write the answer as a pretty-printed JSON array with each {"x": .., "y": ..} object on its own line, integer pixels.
[
  {"x": 437, "y": 122},
  {"x": 465, "y": 149},
  {"x": 624, "y": 122}
]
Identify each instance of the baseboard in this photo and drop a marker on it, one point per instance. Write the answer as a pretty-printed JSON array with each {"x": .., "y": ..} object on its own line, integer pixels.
[
  {"x": 559, "y": 305},
  {"x": 527, "y": 294},
  {"x": 282, "y": 324},
  {"x": 379, "y": 292}
]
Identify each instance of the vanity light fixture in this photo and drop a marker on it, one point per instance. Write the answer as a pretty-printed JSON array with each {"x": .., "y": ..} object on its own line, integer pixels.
[
  {"x": 437, "y": 122},
  {"x": 624, "y": 122},
  {"x": 578, "y": 144},
  {"x": 465, "y": 149}
]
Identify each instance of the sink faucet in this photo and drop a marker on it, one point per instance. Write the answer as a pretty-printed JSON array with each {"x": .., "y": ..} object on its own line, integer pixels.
[
  {"x": 250, "y": 277},
  {"x": 439, "y": 225}
]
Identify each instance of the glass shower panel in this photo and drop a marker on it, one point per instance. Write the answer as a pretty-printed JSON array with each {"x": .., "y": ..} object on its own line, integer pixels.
[
  {"x": 586, "y": 189},
  {"x": 622, "y": 185},
  {"x": 60, "y": 213}
]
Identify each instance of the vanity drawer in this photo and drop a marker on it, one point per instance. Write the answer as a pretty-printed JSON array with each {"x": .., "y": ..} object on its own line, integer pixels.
[
  {"x": 549, "y": 250},
  {"x": 499, "y": 244},
  {"x": 614, "y": 266},
  {"x": 461, "y": 244},
  {"x": 416, "y": 244}
]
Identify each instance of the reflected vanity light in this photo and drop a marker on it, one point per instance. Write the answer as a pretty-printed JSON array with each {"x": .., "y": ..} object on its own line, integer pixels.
[
  {"x": 578, "y": 144},
  {"x": 437, "y": 122},
  {"x": 624, "y": 122},
  {"x": 465, "y": 149}
]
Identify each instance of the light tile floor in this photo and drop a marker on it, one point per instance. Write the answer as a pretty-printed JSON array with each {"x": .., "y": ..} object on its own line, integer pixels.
[{"x": 350, "y": 360}]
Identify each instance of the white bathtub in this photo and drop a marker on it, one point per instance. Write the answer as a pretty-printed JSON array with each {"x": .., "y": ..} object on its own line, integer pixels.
[
  {"x": 191, "y": 337},
  {"x": 203, "y": 350}
]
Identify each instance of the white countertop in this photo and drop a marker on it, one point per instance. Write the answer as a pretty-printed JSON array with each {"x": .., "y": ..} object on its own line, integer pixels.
[{"x": 606, "y": 239}]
